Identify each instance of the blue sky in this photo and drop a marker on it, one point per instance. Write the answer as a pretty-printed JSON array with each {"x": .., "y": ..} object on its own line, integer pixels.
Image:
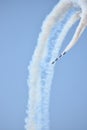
[{"x": 20, "y": 23}]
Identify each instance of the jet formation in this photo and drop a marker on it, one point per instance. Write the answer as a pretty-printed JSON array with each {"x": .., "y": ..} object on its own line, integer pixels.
[{"x": 61, "y": 55}]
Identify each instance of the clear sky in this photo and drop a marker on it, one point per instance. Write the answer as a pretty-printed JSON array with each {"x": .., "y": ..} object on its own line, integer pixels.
[{"x": 20, "y": 23}]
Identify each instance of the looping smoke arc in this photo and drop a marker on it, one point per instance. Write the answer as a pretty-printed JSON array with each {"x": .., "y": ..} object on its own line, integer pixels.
[{"x": 54, "y": 29}]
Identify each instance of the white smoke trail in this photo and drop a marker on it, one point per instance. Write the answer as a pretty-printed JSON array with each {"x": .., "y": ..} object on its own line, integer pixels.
[
  {"x": 41, "y": 69},
  {"x": 47, "y": 68}
]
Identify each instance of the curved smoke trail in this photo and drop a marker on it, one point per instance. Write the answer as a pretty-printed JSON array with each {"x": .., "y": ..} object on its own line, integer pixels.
[{"x": 54, "y": 30}]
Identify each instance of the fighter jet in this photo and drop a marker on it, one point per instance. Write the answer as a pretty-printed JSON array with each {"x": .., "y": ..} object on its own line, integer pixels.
[{"x": 61, "y": 55}]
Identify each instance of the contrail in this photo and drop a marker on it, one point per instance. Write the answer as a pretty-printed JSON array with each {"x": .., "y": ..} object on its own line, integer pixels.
[
  {"x": 53, "y": 32},
  {"x": 47, "y": 69},
  {"x": 82, "y": 5}
]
